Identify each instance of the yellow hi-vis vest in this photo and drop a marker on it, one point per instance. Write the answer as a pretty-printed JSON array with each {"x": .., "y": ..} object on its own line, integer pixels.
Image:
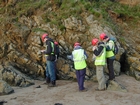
[
  {"x": 52, "y": 45},
  {"x": 79, "y": 59},
  {"x": 110, "y": 53},
  {"x": 101, "y": 60}
]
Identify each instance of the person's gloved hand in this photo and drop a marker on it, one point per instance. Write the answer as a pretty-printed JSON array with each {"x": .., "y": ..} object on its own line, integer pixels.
[
  {"x": 69, "y": 56},
  {"x": 42, "y": 51},
  {"x": 94, "y": 47}
]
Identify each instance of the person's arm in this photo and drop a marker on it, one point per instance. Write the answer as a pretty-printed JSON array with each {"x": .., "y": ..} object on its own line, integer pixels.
[
  {"x": 86, "y": 56},
  {"x": 98, "y": 50}
]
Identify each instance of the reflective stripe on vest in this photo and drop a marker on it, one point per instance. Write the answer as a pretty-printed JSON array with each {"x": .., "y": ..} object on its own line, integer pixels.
[
  {"x": 101, "y": 60},
  {"x": 110, "y": 53},
  {"x": 79, "y": 59},
  {"x": 52, "y": 45}
]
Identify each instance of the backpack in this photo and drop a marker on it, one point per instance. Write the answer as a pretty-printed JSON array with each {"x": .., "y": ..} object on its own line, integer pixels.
[
  {"x": 116, "y": 49},
  {"x": 56, "y": 50}
]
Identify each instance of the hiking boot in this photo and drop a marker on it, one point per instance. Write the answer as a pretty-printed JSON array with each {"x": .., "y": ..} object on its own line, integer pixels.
[
  {"x": 84, "y": 90},
  {"x": 52, "y": 84},
  {"x": 100, "y": 89},
  {"x": 47, "y": 81}
]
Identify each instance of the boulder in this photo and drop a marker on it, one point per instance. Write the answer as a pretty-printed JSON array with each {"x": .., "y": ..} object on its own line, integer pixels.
[{"x": 5, "y": 88}]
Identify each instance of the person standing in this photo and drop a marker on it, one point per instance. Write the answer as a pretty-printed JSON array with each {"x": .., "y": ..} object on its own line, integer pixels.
[
  {"x": 109, "y": 55},
  {"x": 99, "y": 52},
  {"x": 50, "y": 58},
  {"x": 78, "y": 56}
]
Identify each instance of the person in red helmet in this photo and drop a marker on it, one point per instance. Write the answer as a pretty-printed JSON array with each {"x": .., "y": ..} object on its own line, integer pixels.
[
  {"x": 99, "y": 52},
  {"x": 50, "y": 58},
  {"x": 79, "y": 56},
  {"x": 76, "y": 44},
  {"x": 102, "y": 36},
  {"x": 109, "y": 55},
  {"x": 43, "y": 36}
]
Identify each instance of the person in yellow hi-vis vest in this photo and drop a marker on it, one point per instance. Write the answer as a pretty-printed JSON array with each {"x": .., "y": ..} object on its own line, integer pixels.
[
  {"x": 109, "y": 55},
  {"x": 99, "y": 52},
  {"x": 78, "y": 56}
]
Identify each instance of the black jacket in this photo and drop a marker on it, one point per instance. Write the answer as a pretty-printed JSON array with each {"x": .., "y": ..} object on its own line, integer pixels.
[
  {"x": 99, "y": 49},
  {"x": 50, "y": 50}
]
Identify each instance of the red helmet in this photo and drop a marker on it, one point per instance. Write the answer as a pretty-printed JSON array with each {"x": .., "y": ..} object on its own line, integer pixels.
[
  {"x": 94, "y": 41},
  {"x": 76, "y": 44},
  {"x": 43, "y": 36},
  {"x": 56, "y": 43},
  {"x": 102, "y": 36}
]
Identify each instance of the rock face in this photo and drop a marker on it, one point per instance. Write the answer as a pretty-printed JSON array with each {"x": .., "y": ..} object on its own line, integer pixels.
[
  {"x": 5, "y": 88},
  {"x": 14, "y": 77},
  {"x": 20, "y": 45}
]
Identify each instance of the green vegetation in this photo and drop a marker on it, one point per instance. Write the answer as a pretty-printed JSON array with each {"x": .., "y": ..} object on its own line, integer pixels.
[
  {"x": 26, "y": 6},
  {"x": 38, "y": 29},
  {"x": 128, "y": 11},
  {"x": 57, "y": 10}
]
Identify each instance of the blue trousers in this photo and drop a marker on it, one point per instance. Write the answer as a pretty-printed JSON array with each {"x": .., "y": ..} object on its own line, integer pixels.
[
  {"x": 80, "y": 75},
  {"x": 50, "y": 70}
]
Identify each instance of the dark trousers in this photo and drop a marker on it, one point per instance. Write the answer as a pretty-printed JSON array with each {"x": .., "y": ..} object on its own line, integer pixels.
[
  {"x": 110, "y": 68},
  {"x": 56, "y": 71},
  {"x": 80, "y": 74}
]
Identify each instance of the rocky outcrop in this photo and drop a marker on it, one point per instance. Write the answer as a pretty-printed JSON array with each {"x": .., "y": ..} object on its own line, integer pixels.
[
  {"x": 5, "y": 88},
  {"x": 21, "y": 44},
  {"x": 115, "y": 86},
  {"x": 14, "y": 77}
]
